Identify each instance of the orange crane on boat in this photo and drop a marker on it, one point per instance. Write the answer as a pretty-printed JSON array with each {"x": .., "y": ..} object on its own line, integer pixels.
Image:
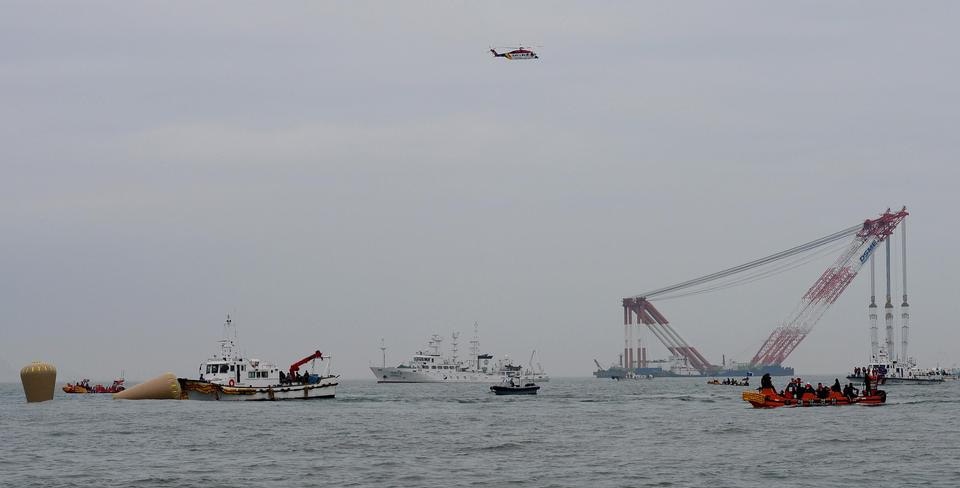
[{"x": 296, "y": 366}]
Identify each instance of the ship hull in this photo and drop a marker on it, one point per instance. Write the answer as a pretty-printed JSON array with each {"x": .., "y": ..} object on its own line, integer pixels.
[
  {"x": 769, "y": 398},
  {"x": 409, "y": 375},
  {"x": 515, "y": 390},
  {"x": 894, "y": 380},
  {"x": 197, "y": 390}
]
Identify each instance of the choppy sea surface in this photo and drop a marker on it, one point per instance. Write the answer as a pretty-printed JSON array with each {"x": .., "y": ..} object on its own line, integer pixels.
[{"x": 577, "y": 432}]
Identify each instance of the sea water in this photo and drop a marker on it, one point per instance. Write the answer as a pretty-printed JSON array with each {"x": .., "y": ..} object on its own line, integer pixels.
[{"x": 576, "y": 432}]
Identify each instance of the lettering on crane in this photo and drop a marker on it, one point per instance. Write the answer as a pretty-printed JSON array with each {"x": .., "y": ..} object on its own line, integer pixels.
[{"x": 866, "y": 254}]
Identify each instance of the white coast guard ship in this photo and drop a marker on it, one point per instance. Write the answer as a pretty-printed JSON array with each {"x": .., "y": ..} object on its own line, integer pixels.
[
  {"x": 432, "y": 367},
  {"x": 892, "y": 372},
  {"x": 229, "y": 376}
]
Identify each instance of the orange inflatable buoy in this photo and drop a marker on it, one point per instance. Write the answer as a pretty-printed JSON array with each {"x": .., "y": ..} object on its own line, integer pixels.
[{"x": 162, "y": 387}]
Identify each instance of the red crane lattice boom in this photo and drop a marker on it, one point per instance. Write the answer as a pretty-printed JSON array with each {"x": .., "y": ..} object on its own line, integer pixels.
[
  {"x": 825, "y": 291},
  {"x": 648, "y": 315},
  {"x": 814, "y": 303}
]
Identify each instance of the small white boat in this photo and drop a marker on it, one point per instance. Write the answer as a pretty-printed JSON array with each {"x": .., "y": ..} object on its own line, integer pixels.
[{"x": 229, "y": 376}]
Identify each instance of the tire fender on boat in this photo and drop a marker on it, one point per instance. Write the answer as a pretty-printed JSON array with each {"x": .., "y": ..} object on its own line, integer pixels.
[{"x": 231, "y": 383}]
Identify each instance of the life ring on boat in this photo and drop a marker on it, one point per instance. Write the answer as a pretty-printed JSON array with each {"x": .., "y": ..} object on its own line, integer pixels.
[{"x": 231, "y": 383}]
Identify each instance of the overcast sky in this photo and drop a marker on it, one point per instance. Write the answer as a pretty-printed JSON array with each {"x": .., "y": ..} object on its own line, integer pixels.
[{"x": 331, "y": 173}]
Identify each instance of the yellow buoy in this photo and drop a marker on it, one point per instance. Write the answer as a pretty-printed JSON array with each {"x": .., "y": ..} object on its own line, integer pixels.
[
  {"x": 38, "y": 380},
  {"x": 163, "y": 387}
]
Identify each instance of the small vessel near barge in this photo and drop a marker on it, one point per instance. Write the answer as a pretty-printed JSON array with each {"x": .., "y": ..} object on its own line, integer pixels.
[
  {"x": 678, "y": 367},
  {"x": 83, "y": 386},
  {"x": 730, "y": 382},
  {"x": 229, "y": 376}
]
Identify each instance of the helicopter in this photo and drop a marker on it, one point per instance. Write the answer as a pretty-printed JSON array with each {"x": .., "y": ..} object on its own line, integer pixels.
[{"x": 517, "y": 53}]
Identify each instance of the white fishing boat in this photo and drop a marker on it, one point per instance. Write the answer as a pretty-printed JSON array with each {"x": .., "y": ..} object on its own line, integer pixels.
[
  {"x": 229, "y": 376},
  {"x": 431, "y": 366}
]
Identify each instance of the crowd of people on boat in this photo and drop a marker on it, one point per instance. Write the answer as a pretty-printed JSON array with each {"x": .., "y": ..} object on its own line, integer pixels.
[
  {"x": 865, "y": 371},
  {"x": 881, "y": 372},
  {"x": 83, "y": 386},
  {"x": 796, "y": 388},
  {"x": 296, "y": 378},
  {"x": 731, "y": 381}
]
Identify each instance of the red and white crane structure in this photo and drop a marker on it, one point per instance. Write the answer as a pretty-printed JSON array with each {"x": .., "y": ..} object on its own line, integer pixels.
[{"x": 798, "y": 324}]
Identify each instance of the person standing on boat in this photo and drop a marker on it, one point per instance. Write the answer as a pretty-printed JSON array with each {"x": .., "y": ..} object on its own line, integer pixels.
[{"x": 766, "y": 382}]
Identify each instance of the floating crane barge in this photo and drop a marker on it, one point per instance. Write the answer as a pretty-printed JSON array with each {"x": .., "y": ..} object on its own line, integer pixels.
[{"x": 688, "y": 361}]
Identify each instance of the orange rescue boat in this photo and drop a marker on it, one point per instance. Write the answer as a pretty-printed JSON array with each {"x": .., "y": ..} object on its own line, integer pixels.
[
  {"x": 84, "y": 387},
  {"x": 769, "y": 398}
]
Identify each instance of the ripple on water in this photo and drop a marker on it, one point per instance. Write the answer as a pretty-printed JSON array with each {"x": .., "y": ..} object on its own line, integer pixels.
[{"x": 577, "y": 432}]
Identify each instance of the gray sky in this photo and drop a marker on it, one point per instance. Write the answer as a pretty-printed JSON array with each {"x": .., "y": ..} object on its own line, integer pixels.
[{"x": 336, "y": 172}]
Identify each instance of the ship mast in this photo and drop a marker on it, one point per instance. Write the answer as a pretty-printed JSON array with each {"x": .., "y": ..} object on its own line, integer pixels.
[
  {"x": 874, "y": 337},
  {"x": 904, "y": 307},
  {"x": 228, "y": 346},
  {"x": 383, "y": 350},
  {"x": 454, "y": 343},
  {"x": 475, "y": 345},
  {"x": 888, "y": 311}
]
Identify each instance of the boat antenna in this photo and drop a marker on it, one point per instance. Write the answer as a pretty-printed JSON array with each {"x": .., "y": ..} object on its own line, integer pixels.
[
  {"x": 475, "y": 343},
  {"x": 454, "y": 343},
  {"x": 383, "y": 350}
]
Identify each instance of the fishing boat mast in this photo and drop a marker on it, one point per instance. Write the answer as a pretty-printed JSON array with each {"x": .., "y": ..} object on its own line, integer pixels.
[{"x": 383, "y": 350}]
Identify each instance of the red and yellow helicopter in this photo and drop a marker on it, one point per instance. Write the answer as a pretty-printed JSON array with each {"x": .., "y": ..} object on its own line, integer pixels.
[{"x": 515, "y": 53}]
